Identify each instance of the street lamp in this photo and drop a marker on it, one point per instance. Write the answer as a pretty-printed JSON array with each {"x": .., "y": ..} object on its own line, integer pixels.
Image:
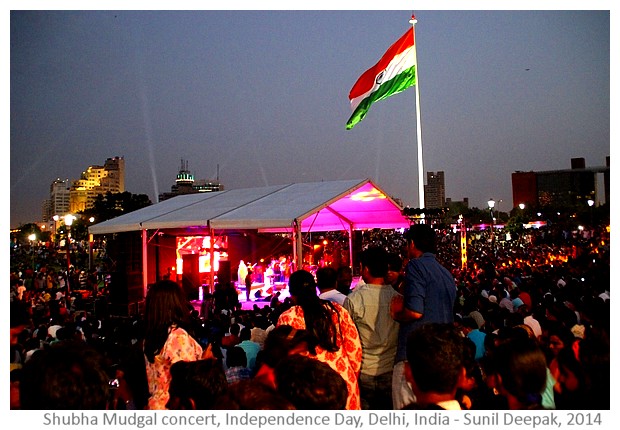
[
  {"x": 521, "y": 206},
  {"x": 491, "y": 204}
]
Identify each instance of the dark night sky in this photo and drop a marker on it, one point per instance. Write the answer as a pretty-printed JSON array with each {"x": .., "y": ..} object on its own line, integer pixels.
[{"x": 264, "y": 96}]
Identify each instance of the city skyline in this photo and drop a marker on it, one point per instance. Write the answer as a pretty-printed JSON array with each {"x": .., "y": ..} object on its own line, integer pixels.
[
  {"x": 430, "y": 187},
  {"x": 262, "y": 96}
]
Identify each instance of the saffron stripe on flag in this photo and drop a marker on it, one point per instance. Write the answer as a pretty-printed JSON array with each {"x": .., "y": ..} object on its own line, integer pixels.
[{"x": 367, "y": 80}]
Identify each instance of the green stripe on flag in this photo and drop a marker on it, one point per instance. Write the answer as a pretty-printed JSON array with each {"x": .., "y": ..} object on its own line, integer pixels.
[{"x": 394, "y": 86}]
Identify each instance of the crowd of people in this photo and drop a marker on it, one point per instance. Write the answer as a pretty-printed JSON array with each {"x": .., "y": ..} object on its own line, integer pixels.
[{"x": 525, "y": 324}]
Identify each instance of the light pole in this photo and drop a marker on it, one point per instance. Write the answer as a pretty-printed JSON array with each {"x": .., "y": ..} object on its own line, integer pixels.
[
  {"x": 491, "y": 204},
  {"x": 498, "y": 217},
  {"x": 32, "y": 237},
  {"x": 591, "y": 204},
  {"x": 522, "y": 221},
  {"x": 90, "y": 246},
  {"x": 68, "y": 221},
  {"x": 55, "y": 218}
]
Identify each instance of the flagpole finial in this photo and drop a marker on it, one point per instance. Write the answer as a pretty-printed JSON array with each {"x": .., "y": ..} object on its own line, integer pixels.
[{"x": 413, "y": 20}]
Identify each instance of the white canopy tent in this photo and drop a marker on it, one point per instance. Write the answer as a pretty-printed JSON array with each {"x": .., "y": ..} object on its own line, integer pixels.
[{"x": 294, "y": 208}]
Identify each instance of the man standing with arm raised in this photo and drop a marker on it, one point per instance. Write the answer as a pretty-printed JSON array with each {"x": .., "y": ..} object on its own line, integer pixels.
[{"x": 428, "y": 297}]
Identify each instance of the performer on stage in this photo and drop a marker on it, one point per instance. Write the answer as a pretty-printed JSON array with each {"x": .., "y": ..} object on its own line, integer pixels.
[
  {"x": 242, "y": 272},
  {"x": 248, "y": 285}
]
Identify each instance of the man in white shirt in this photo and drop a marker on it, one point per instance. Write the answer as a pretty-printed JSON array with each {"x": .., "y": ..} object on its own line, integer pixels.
[
  {"x": 326, "y": 279},
  {"x": 369, "y": 306}
]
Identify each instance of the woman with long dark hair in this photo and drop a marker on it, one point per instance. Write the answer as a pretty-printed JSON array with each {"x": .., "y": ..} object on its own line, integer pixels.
[
  {"x": 167, "y": 338},
  {"x": 334, "y": 337}
]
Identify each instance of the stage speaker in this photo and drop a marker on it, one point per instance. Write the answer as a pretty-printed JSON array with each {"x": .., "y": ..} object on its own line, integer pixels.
[
  {"x": 191, "y": 276},
  {"x": 119, "y": 291},
  {"x": 224, "y": 274}
]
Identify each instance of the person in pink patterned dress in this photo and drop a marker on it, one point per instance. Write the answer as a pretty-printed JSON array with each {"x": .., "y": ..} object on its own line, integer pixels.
[
  {"x": 167, "y": 338},
  {"x": 335, "y": 339}
]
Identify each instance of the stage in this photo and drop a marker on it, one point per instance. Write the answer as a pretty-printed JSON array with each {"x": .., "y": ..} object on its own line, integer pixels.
[
  {"x": 264, "y": 299},
  {"x": 265, "y": 294}
]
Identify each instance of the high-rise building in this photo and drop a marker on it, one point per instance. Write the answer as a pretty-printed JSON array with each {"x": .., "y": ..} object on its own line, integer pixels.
[
  {"x": 434, "y": 190},
  {"x": 185, "y": 184},
  {"x": 58, "y": 203},
  {"x": 97, "y": 180},
  {"x": 569, "y": 187},
  {"x": 46, "y": 209}
]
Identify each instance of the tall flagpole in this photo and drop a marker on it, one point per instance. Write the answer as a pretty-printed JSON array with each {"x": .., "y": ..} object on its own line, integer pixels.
[{"x": 413, "y": 22}]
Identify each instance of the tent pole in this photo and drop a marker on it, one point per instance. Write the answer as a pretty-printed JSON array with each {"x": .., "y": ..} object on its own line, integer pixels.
[
  {"x": 297, "y": 247},
  {"x": 145, "y": 266},
  {"x": 351, "y": 246},
  {"x": 211, "y": 262}
]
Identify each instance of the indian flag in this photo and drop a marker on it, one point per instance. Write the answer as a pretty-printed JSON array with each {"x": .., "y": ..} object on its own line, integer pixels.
[{"x": 394, "y": 73}]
